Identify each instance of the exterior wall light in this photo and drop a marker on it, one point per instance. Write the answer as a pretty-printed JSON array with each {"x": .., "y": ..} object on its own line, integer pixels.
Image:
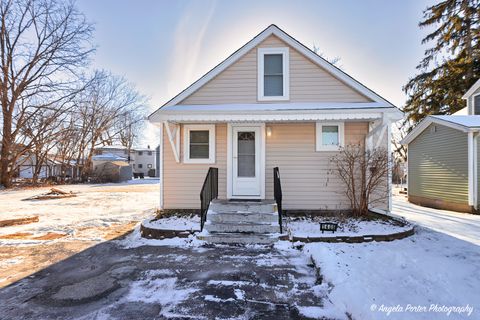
[{"x": 269, "y": 131}]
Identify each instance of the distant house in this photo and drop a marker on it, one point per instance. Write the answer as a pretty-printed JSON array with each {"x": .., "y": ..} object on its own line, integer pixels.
[
  {"x": 144, "y": 161},
  {"x": 117, "y": 150},
  {"x": 27, "y": 165},
  {"x": 443, "y": 159}
]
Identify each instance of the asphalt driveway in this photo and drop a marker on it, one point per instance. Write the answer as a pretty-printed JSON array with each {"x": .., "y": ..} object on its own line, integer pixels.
[{"x": 109, "y": 281}]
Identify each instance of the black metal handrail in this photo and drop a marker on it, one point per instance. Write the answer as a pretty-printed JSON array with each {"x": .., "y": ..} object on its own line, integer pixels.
[
  {"x": 208, "y": 193},
  {"x": 277, "y": 193}
]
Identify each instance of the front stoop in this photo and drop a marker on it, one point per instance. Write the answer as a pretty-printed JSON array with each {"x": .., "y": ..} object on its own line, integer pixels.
[{"x": 245, "y": 222}]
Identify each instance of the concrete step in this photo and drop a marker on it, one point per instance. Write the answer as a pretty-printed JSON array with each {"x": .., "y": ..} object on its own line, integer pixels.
[
  {"x": 252, "y": 217},
  {"x": 225, "y": 206},
  {"x": 241, "y": 238},
  {"x": 242, "y": 227}
]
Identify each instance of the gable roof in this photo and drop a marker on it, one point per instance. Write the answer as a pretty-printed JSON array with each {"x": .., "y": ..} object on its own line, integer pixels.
[
  {"x": 276, "y": 31},
  {"x": 462, "y": 123},
  {"x": 472, "y": 90}
]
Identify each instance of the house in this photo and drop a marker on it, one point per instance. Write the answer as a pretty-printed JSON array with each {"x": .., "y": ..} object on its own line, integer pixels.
[
  {"x": 26, "y": 166},
  {"x": 117, "y": 150},
  {"x": 144, "y": 161},
  {"x": 272, "y": 103},
  {"x": 443, "y": 158}
]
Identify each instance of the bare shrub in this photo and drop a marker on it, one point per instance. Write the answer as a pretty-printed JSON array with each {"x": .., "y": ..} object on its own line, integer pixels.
[{"x": 364, "y": 174}]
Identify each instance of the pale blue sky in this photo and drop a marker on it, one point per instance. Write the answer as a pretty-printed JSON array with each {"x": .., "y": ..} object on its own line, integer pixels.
[{"x": 163, "y": 46}]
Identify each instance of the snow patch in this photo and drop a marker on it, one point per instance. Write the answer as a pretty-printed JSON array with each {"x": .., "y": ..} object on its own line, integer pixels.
[
  {"x": 163, "y": 291},
  {"x": 348, "y": 227},
  {"x": 134, "y": 240},
  {"x": 174, "y": 223}
]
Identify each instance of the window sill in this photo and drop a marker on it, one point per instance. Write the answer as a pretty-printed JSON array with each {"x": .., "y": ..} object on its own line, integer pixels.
[
  {"x": 273, "y": 98},
  {"x": 329, "y": 149},
  {"x": 198, "y": 161}
]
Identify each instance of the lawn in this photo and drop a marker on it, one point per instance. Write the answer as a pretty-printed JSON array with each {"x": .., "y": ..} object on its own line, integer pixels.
[{"x": 99, "y": 212}]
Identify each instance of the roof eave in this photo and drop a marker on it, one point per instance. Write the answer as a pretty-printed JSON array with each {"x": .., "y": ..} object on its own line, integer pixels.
[
  {"x": 425, "y": 123},
  {"x": 274, "y": 30}
]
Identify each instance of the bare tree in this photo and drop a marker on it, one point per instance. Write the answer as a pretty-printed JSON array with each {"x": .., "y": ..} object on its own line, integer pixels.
[
  {"x": 107, "y": 110},
  {"x": 43, "y": 43},
  {"x": 364, "y": 174}
]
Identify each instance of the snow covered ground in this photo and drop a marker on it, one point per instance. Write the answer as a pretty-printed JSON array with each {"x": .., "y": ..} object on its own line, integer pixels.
[
  {"x": 347, "y": 227},
  {"x": 95, "y": 206},
  {"x": 463, "y": 226},
  {"x": 174, "y": 223},
  {"x": 431, "y": 275},
  {"x": 67, "y": 226}
]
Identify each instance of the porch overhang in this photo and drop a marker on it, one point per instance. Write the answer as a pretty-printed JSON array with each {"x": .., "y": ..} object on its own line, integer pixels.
[{"x": 275, "y": 112}]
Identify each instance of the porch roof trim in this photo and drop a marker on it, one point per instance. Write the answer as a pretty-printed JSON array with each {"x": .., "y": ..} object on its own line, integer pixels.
[{"x": 275, "y": 112}]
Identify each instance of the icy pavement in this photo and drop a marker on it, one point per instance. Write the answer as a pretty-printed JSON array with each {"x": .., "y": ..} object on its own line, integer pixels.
[
  {"x": 110, "y": 281},
  {"x": 463, "y": 226}
]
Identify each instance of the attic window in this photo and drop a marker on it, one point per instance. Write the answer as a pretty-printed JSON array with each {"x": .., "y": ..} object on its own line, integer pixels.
[{"x": 273, "y": 74}]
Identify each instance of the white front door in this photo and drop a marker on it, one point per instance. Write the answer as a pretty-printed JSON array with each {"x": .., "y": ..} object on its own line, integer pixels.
[{"x": 246, "y": 161}]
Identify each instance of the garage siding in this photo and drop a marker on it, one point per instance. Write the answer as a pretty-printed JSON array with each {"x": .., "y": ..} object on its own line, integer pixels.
[{"x": 438, "y": 165}]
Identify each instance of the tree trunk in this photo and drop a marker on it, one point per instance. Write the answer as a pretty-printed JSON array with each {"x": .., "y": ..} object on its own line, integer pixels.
[{"x": 5, "y": 173}]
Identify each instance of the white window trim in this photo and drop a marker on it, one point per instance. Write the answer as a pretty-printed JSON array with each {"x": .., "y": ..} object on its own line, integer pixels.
[
  {"x": 472, "y": 111},
  {"x": 318, "y": 136},
  {"x": 186, "y": 142},
  {"x": 261, "y": 52}
]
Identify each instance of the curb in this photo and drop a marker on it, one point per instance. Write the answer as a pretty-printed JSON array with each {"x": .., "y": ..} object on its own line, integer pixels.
[
  {"x": 358, "y": 239},
  {"x": 160, "y": 234}
]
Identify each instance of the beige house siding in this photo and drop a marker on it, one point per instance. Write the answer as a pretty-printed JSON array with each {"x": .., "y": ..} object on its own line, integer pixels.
[
  {"x": 183, "y": 182},
  {"x": 308, "y": 81},
  {"x": 438, "y": 165},
  {"x": 306, "y": 181}
]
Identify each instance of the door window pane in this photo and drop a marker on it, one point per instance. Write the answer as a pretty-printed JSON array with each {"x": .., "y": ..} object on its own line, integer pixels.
[
  {"x": 246, "y": 154},
  {"x": 199, "y": 148},
  {"x": 330, "y": 135},
  {"x": 273, "y": 75}
]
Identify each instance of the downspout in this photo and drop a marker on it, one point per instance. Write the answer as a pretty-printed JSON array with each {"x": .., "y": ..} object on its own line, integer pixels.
[
  {"x": 160, "y": 174},
  {"x": 472, "y": 170},
  {"x": 475, "y": 173},
  {"x": 389, "y": 174}
]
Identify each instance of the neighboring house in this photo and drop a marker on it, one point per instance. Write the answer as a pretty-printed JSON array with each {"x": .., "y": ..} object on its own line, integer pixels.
[
  {"x": 442, "y": 162},
  {"x": 144, "y": 161},
  {"x": 27, "y": 164},
  {"x": 117, "y": 150},
  {"x": 272, "y": 103},
  {"x": 443, "y": 159}
]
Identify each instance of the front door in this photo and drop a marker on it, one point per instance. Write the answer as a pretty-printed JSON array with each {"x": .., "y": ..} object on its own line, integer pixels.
[{"x": 246, "y": 172}]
